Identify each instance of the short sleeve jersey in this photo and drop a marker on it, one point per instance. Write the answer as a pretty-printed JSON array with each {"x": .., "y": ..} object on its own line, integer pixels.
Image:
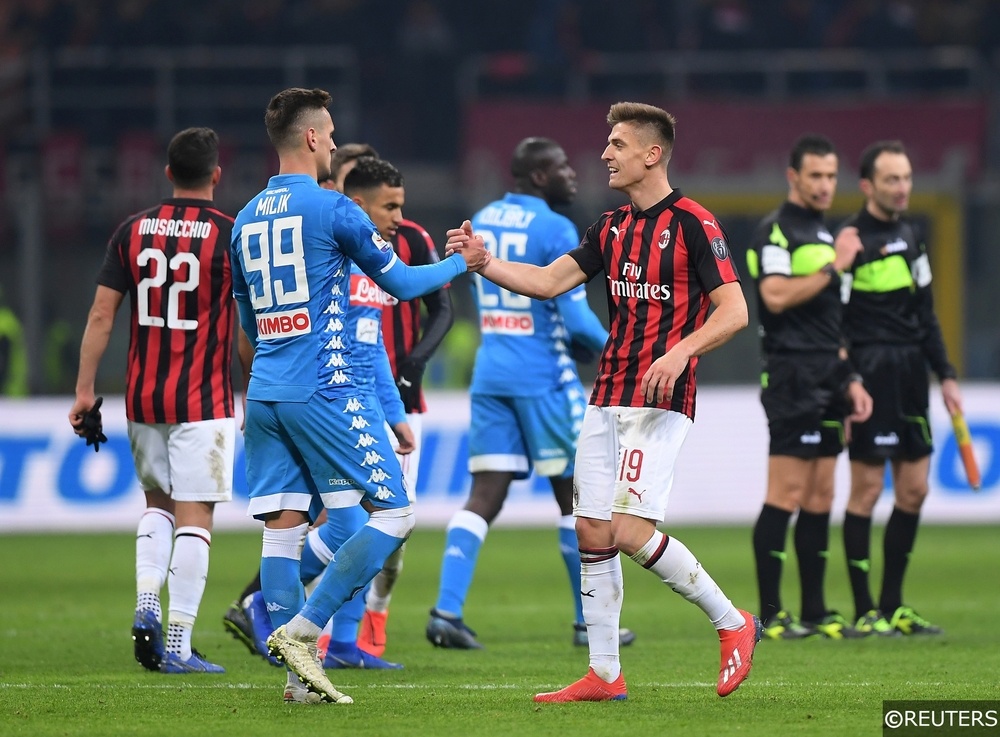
[
  {"x": 793, "y": 241},
  {"x": 292, "y": 246},
  {"x": 661, "y": 264},
  {"x": 173, "y": 262},
  {"x": 523, "y": 351}
]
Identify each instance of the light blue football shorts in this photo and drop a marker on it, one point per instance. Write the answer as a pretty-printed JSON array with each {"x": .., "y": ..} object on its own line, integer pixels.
[
  {"x": 515, "y": 433},
  {"x": 330, "y": 452}
]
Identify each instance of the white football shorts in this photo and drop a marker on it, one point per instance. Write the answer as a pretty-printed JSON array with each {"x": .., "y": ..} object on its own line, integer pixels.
[
  {"x": 190, "y": 461},
  {"x": 625, "y": 461}
]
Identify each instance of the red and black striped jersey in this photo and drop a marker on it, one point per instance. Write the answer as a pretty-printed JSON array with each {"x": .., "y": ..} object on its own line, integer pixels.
[
  {"x": 401, "y": 321},
  {"x": 173, "y": 261},
  {"x": 661, "y": 264}
]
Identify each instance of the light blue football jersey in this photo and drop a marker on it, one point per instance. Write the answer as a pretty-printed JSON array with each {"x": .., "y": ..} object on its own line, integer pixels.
[
  {"x": 370, "y": 360},
  {"x": 524, "y": 347},
  {"x": 292, "y": 250}
]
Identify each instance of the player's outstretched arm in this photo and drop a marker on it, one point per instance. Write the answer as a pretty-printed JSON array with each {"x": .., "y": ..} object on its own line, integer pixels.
[
  {"x": 537, "y": 282},
  {"x": 409, "y": 282}
]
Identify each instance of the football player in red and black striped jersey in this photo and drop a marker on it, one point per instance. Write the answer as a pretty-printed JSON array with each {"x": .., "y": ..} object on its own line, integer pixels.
[
  {"x": 172, "y": 260},
  {"x": 667, "y": 262}
]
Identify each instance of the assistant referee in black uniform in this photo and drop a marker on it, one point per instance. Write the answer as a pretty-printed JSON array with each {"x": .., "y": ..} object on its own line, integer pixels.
[
  {"x": 893, "y": 335},
  {"x": 808, "y": 388}
]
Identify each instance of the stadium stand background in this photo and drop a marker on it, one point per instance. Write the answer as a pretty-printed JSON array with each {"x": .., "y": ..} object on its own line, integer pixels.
[{"x": 91, "y": 91}]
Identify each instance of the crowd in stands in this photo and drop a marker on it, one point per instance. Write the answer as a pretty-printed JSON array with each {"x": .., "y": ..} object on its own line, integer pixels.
[{"x": 452, "y": 28}]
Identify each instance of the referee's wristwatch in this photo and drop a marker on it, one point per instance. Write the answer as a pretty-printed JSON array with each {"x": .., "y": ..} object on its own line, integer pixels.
[{"x": 830, "y": 270}]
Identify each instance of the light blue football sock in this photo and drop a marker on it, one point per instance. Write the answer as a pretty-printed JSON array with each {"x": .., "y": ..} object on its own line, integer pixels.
[
  {"x": 354, "y": 565},
  {"x": 461, "y": 550},
  {"x": 282, "y": 590},
  {"x": 312, "y": 566},
  {"x": 347, "y": 619}
]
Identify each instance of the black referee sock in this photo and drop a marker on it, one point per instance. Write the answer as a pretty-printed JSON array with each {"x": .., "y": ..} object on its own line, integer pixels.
[
  {"x": 769, "y": 549},
  {"x": 900, "y": 535},
  {"x": 812, "y": 542},
  {"x": 857, "y": 547}
]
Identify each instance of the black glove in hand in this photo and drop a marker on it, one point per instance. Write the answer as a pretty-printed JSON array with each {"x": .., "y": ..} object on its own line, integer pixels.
[
  {"x": 581, "y": 353},
  {"x": 93, "y": 427},
  {"x": 411, "y": 375}
]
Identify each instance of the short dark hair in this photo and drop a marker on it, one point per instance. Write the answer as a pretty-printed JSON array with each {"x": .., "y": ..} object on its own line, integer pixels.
[
  {"x": 369, "y": 173},
  {"x": 192, "y": 156},
  {"x": 809, "y": 143},
  {"x": 287, "y": 108},
  {"x": 531, "y": 154},
  {"x": 657, "y": 120},
  {"x": 866, "y": 168},
  {"x": 347, "y": 153}
]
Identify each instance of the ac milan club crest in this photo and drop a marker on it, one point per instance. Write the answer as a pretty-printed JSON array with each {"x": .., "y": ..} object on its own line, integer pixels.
[{"x": 664, "y": 238}]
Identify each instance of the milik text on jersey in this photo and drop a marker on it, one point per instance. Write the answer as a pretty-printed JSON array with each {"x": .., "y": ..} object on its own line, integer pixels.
[{"x": 273, "y": 203}]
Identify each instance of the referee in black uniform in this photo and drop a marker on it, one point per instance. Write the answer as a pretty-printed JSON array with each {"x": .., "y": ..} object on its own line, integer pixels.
[
  {"x": 893, "y": 335},
  {"x": 808, "y": 388}
]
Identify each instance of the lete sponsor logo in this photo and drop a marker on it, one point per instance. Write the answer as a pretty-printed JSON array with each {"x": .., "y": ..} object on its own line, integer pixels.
[{"x": 366, "y": 292}]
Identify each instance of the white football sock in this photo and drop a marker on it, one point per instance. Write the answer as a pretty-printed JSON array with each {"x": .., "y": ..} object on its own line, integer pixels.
[
  {"x": 319, "y": 548},
  {"x": 670, "y": 559},
  {"x": 186, "y": 585},
  {"x": 381, "y": 589},
  {"x": 153, "y": 543},
  {"x": 601, "y": 590}
]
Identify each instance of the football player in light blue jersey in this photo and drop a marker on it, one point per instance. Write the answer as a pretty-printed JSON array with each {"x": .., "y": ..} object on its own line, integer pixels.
[
  {"x": 248, "y": 619},
  {"x": 527, "y": 399},
  {"x": 308, "y": 426}
]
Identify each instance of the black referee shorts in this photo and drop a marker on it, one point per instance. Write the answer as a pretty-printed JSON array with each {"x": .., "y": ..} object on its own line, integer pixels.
[
  {"x": 803, "y": 399},
  {"x": 896, "y": 376}
]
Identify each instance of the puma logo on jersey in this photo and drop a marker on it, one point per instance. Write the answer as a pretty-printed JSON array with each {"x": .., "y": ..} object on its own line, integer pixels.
[
  {"x": 638, "y": 494},
  {"x": 614, "y": 230},
  {"x": 710, "y": 224}
]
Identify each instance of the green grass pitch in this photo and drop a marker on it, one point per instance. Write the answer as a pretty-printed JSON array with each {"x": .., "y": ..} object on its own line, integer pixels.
[{"x": 66, "y": 665}]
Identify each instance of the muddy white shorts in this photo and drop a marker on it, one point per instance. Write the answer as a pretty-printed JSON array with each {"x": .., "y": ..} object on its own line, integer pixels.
[{"x": 190, "y": 461}]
